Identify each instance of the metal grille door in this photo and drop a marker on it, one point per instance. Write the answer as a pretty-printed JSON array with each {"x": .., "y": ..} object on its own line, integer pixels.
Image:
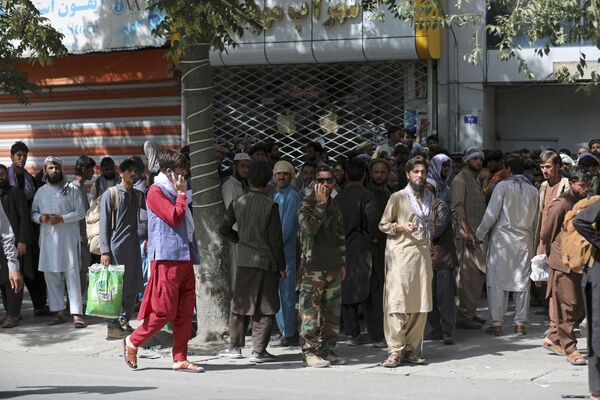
[{"x": 341, "y": 105}]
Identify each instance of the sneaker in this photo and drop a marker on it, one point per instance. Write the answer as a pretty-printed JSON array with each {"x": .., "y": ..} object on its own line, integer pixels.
[
  {"x": 312, "y": 360},
  {"x": 352, "y": 341},
  {"x": 334, "y": 359},
  {"x": 232, "y": 352},
  {"x": 115, "y": 332},
  {"x": 283, "y": 341},
  {"x": 260, "y": 358}
]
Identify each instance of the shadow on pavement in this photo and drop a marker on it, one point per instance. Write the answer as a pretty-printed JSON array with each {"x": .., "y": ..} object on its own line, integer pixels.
[{"x": 46, "y": 390}]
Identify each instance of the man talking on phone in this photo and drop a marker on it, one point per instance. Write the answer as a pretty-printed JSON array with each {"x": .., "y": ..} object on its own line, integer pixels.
[
  {"x": 322, "y": 270},
  {"x": 170, "y": 293}
]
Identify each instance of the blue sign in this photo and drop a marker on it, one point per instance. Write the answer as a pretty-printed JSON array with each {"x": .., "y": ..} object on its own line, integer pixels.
[{"x": 471, "y": 119}]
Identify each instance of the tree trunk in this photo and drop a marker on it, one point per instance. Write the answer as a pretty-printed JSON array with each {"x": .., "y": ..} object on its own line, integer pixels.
[{"x": 212, "y": 275}]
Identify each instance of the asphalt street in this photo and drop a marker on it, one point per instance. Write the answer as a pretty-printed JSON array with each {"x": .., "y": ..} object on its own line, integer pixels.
[{"x": 61, "y": 362}]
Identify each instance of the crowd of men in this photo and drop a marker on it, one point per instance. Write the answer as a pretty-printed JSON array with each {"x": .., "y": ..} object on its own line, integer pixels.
[{"x": 391, "y": 247}]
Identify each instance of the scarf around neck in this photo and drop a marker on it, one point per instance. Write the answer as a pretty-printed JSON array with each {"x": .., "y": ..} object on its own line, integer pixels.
[
  {"x": 423, "y": 213},
  {"x": 165, "y": 183},
  {"x": 29, "y": 185},
  {"x": 519, "y": 180}
]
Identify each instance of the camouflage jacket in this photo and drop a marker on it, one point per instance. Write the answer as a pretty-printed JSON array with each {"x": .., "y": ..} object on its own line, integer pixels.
[{"x": 316, "y": 226}]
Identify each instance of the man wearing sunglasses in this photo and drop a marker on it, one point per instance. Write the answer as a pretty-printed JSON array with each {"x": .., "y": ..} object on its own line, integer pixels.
[{"x": 322, "y": 270}]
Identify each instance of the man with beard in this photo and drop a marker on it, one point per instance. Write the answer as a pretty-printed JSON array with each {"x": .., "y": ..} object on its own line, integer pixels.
[
  {"x": 553, "y": 186},
  {"x": 19, "y": 177},
  {"x": 339, "y": 173},
  {"x": 108, "y": 178},
  {"x": 305, "y": 178},
  {"x": 58, "y": 208},
  {"x": 526, "y": 157},
  {"x": 84, "y": 171},
  {"x": 510, "y": 221},
  {"x": 359, "y": 213},
  {"x": 260, "y": 264},
  {"x": 408, "y": 223},
  {"x": 288, "y": 201},
  {"x": 14, "y": 205},
  {"x": 441, "y": 170},
  {"x": 380, "y": 170},
  {"x": 119, "y": 215},
  {"x": 233, "y": 188},
  {"x": 564, "y": 285},
  {"x": 468, "y": 207}
]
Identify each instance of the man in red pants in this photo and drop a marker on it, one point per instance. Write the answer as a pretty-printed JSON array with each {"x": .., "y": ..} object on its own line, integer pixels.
[{"x": 170, "y": 293}]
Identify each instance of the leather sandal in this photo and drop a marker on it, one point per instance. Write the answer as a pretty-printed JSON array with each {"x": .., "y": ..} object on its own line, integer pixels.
[
  {"x": 392, "y": 361},
  {"x": 59, "y": 318},
  {"x": 9, "y": 322},
  {"x": 129, "y": 355},
  {"x": 575, "y": 358},
  {"x": 187, "y": 366},
  {"x": 494, "y": 330},
  {"x": 78, "y": 322},
  {"x": 554, "y": 348}
]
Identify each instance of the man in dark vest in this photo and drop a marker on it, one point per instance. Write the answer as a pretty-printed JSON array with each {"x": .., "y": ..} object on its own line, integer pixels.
[
  {"x": 359, "y": 213},
  {"x": 260, "y": 264}
]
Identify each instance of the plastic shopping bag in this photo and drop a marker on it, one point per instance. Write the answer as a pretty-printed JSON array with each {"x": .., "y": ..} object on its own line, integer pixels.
[
  {"x": 539, "y": 268},
  {"x": 105, "y": 291}
]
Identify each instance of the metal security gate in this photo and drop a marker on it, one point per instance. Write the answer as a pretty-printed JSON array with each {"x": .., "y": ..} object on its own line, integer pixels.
[{"x": 341, "y": 105}]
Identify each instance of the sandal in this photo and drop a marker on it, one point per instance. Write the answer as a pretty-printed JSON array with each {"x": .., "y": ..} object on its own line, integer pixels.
[
  {"x": 187, "y": 366},
  {"x": 392, "y": 361},
  {"x": 554, "y": 348},
  {"x": 9, "y": 322},
  {"x": 59, "y": 318},
  {"x": 78, "y": 322},
  {"x": 414, "y": 359},
  {"x": 575, "y": 358},
  {"x": 130, "y": 355}
]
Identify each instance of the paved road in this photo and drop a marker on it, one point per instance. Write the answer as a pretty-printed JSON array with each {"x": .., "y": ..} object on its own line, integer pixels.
[{"x": 41, "y": 362}]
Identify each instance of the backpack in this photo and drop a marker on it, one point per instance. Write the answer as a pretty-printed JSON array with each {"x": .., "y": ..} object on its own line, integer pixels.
[
  {"x": 576, "y": 250},
  {"x": 92, "y": 217}
]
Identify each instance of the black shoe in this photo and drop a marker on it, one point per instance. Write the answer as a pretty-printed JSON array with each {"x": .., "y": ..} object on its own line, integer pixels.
[
  {"x": 448, "y": 340},
  {"x": 283, "y": 341},
  {"x": 480, "y": 321},
  {"x": 260, "y": 358}
]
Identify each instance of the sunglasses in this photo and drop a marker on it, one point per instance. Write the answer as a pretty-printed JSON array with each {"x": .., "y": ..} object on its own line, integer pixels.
[{"x": 325, "y": 180}]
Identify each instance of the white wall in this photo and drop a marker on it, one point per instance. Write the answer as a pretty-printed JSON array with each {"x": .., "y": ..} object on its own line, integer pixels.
[{"x": 539, "y": 117}]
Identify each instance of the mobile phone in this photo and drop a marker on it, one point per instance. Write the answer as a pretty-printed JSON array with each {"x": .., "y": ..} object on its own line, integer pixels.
[{"x": 172, "y": 175}]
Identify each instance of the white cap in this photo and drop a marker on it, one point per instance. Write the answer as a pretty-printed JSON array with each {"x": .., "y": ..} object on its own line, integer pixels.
[{"x": 241, "y": 157}]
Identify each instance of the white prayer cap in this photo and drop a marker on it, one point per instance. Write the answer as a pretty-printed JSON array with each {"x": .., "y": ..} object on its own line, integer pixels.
[{"x": 241, "y": 157}]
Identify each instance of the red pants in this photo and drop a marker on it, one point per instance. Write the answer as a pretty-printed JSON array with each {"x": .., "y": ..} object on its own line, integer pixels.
[{"x": 169, "y": 296}]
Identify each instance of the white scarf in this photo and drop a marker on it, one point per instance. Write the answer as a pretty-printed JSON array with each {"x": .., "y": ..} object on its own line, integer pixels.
[
  {"x": 164, "y": 182},
  {"x": 423, "y": 213}
]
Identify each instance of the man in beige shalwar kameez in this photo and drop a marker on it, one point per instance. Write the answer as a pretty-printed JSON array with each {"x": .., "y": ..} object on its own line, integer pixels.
[{"x": 408, "y": 222}]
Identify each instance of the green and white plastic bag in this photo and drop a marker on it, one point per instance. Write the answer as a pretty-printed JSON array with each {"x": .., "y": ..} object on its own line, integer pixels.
[{"x": 105, "y": 291}]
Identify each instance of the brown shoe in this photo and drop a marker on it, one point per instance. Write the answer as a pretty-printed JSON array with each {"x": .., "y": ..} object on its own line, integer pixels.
[
  {"x": 494, "y": 330},
  {"x": 520, "y": 330}
]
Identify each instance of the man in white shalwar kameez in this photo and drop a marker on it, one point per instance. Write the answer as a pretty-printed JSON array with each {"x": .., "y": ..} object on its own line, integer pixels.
[
  {"x": 58, "y": 207},
  {"x": 510, "y": 220},
  {"x": 407, "y": 298}
]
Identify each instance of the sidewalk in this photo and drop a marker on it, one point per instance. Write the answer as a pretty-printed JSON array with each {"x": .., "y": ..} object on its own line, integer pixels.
[{"x": 478, "y": 366}]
